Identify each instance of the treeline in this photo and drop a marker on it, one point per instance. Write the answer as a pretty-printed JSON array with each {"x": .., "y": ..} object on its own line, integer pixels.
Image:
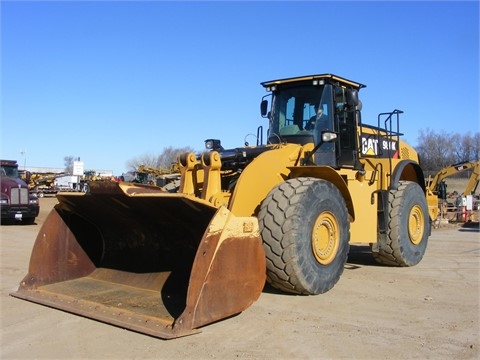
[
  {"x": 436, "y": 151},
  {"x": 440, "y": 149},
  {"x": 163, "y": 160}
]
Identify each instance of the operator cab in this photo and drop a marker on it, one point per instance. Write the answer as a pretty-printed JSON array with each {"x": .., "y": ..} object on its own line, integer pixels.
[{"x": 306, "y": 107}]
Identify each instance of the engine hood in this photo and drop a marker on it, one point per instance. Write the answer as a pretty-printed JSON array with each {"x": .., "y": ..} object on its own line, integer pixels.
[{"x": 8, "y": 182}]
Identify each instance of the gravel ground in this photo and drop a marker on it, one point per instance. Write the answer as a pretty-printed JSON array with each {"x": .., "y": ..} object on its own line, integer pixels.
[{"x": 429, "y": 311}]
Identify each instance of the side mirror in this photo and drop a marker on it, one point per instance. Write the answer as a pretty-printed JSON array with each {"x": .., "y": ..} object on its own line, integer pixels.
[
  {"x": 264, "y": 108},
  {"x": 352, "y": 98}
]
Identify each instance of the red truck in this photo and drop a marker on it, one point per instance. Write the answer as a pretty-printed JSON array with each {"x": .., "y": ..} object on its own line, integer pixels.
[{"x": 15, "y": 201}]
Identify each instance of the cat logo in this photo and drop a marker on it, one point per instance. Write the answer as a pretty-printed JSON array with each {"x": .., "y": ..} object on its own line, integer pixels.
[
  {"x": 369, "y": 146},
  {"x": 373, "y": 146}
]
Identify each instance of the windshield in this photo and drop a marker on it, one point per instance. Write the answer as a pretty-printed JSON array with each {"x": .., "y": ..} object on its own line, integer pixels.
[
  {"x": 300, "y": 112},
  {"x": 10, "y": 171}
]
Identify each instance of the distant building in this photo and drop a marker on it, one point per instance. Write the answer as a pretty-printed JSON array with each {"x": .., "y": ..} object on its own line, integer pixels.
[{"x": 34, "y": 169}]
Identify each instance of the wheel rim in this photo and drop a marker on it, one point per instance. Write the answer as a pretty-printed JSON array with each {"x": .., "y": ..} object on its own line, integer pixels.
[
  {"x": 325, "y": 238},
  {"x": 416, "y": 225}
]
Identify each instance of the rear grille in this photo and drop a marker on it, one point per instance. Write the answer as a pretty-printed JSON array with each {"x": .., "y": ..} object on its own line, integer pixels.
[{"x": 19, "y": 197}]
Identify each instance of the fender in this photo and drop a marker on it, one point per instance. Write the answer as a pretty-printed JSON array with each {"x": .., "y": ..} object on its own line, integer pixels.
[
  {"x": 410, "y": 170},
  {"x": 407, "y": 170}
]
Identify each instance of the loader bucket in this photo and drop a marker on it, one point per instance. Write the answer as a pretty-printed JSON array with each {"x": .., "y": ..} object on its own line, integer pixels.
[{"x": 139, "y": 258}]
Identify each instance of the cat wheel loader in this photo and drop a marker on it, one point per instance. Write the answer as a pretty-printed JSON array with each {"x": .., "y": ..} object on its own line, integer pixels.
[{"x": 283, "y": 211}]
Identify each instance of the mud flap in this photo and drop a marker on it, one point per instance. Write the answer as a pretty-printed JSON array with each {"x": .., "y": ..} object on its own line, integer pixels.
[{"x": 153, "y": 262}]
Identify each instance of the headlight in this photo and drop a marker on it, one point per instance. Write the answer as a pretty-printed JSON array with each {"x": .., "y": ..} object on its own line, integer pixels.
[
  {"x": 3, "y": 202},
  {"x": 328, "y": 136},
  {"x": 209, "y": 144},
  {"x": 213, "y": 144},
  {"x": 33, "y": 201}
]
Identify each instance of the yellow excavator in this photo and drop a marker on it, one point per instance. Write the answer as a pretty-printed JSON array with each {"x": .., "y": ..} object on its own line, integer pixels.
[
  {"x": 282, "y": 211},
  {"x": 438, "y": 186}
]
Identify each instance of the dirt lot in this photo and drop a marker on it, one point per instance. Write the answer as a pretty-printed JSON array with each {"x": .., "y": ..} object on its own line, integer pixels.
[{"x": 374, "y": 312}]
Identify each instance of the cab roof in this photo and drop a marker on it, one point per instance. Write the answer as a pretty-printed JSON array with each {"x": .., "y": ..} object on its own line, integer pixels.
[
  {"x": 325, "y": 77},
  {"x": 8, "y": 162}
]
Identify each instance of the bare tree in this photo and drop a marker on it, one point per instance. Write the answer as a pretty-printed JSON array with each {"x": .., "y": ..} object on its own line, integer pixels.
[
  {"x": 476, "y": 146},
  {"x": 68, "y": 162},
  {"x": 439, "y": 150},
  {"x": 169, "y": 156},
  {"x": 435, "y": 150},
  {"x": 163, "y": 160},
  {"x": 464, "y": 148},
  {"x": 145, "y": 159}
]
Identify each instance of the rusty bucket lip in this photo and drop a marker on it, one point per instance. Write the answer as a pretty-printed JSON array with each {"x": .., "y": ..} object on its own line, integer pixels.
[
  {"x": 144, "y": 302},
  {"x": 106, "y": 314}
]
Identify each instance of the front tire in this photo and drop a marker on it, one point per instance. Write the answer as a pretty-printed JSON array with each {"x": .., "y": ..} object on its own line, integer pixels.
[
  {"x": 305, "y": 230},
  {"x": 408, "y": 227}
]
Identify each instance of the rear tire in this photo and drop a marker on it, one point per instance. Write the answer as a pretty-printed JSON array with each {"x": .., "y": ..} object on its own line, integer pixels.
[
  {"x": 305, "y": 231},
  {"x": 408, "y": 227}
]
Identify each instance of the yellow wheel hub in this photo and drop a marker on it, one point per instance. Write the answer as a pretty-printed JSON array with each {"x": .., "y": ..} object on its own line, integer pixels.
[
  {"x": 325, "y": 238},
  {"x": 416, "y": 223}
]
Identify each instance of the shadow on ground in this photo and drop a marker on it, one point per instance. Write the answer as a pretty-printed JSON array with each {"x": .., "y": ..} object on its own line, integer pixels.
[{"x": 471, "y": 226}]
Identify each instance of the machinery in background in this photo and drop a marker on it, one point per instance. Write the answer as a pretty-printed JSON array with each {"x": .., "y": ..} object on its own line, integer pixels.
[
  {"x": 169, "y": 179},
  {"x": 454, "y": 206},
  {"x": 41, "y": 184}
]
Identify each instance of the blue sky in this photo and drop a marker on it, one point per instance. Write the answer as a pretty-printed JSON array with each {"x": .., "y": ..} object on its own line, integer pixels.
[{"x": 111, "y": 81}]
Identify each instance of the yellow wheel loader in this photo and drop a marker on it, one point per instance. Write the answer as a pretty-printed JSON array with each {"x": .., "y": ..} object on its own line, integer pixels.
[{"x": 167, "y": 263}]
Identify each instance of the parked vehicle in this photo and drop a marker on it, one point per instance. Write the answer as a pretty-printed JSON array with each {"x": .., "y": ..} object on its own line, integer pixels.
[{"x": 16, "y": 202}]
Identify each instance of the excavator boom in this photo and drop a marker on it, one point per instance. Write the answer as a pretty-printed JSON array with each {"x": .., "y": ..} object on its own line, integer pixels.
[
  {"x": 452, "y": 170},
  {"x": 474, "y": 179}
]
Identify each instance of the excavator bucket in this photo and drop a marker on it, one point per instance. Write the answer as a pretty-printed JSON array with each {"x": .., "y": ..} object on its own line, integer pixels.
[{"x": 143, "y": 259}]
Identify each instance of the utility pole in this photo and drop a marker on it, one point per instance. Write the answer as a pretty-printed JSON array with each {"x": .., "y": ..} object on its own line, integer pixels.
[{"x": 23, "y": 152}]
